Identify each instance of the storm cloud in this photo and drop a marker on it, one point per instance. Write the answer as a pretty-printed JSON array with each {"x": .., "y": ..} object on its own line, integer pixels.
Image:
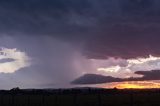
[
  {"x": 149, "y": 75},
  {"x": 107, "y": 28},
  {"x": 98, "y": 79},
  {"x": 62, "y": 37}
]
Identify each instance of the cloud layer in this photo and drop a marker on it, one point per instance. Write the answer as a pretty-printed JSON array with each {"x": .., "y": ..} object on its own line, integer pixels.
[
  {"x": 107, "y": 28},
  {"x": 98, "y": 79},
  {"x": 66, "y": 39}
]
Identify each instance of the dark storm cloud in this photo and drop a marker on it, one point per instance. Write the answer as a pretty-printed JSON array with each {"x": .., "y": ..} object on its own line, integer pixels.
[
  {"x": 43, "y": 17},
  {"x": 106, "y": 28},
  {"x": 149, "y": 75},
  {"x": 98, "y": 79},
  {"x": 51, "y": 32},
  {"x": 95, "y": 79}
]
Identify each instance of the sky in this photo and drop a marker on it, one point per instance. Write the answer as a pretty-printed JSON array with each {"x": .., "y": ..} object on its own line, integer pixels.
[{"x": 50, "y": 43}]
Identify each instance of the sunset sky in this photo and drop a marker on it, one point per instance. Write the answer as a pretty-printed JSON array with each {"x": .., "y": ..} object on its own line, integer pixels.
[{"x": 50, "y": 43}]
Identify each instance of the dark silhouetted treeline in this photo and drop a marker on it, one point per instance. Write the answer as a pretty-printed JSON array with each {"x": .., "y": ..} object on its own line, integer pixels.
[{"x": 80, "y": 97}]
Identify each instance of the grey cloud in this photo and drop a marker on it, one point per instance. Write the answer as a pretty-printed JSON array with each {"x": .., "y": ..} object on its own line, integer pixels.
[
  {"x": 52, "y": 61},
  {"x": 149, "y": 75},
  {"x": 6, "y": 60},
  {"x": 51, "y": 31},
  {"x": 95, "y": 79},
  {"x": 98, "y": 79},
  {"x": 106, "y": 28}
]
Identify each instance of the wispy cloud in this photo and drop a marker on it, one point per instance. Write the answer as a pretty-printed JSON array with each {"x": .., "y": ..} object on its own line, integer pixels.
[{"x": 18, "y": 60}]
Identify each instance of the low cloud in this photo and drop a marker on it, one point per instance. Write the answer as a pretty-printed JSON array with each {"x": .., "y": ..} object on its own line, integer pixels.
[
  {"x": 7, "y": 60},
  {"x": 95, "y": 79},
  {"x": 149, "y": 75},
  {"x": 98, "y": 79}
]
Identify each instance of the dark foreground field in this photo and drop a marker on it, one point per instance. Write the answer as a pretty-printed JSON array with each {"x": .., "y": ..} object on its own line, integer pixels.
[{"x": 80, "y": 97}]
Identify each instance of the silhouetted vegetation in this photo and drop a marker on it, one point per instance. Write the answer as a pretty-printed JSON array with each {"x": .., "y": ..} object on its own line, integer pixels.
[{"x": 80, "y": 97}]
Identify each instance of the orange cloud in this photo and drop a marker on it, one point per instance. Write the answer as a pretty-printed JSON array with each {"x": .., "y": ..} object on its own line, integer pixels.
[{"x": 134, "y": 85}]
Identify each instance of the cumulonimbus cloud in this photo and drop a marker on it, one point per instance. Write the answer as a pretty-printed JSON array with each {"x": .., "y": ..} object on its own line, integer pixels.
[
  {"x": 115, "y": 30},
  {"x": 108, "y": 28}
]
